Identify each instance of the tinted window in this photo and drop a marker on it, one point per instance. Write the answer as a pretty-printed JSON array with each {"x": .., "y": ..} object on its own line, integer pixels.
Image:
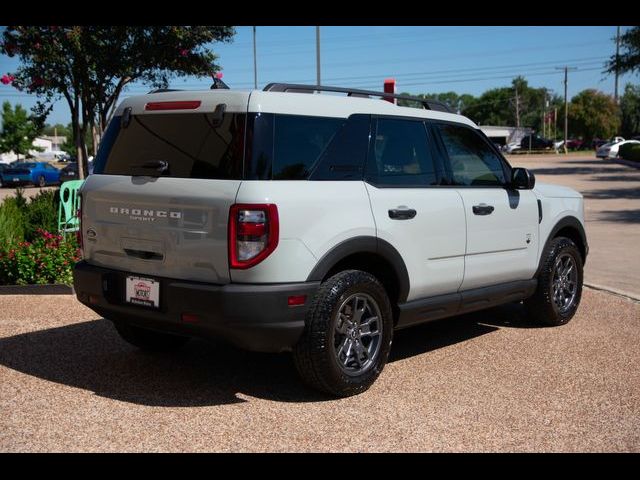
[
  {"x": 298, "y": 143},
  {"x": 193, "y": 144},
  {"x": 287, "y": 147},
  {"x": 346, "y": 155},
  {"x": 471, "y": 159},
  {"x": 400, "y": 154}
]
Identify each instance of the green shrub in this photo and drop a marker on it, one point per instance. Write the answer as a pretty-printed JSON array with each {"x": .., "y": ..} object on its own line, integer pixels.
[
  {"x": 48, "y": 259},
  {"x": 12, "y": 220},
  {"x": 42, "y": 213},
  {"x": 630, "y": 151},
  {"x": 20, "y": 218}
]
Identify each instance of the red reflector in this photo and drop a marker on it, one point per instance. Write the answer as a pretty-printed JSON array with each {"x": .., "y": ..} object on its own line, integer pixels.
[
  {"x": 296, "y": 300},
  {"x": 94, "y": 299},
  {"x": 189, "y": 317},
  {"x": 184, "y": 105},
  {"x": 253, "y": 229}
]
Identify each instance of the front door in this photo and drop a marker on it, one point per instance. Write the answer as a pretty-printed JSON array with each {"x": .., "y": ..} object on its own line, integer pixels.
[
  {"x": 413, "y": 212},
  {"x": 502, "y": 223}
]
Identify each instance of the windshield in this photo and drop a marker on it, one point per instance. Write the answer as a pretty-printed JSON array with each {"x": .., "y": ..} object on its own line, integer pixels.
[{"x": 24, "y": 165}]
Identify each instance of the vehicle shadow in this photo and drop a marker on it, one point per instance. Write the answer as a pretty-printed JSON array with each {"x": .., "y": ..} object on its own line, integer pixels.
[
  {"x": 624, "y": 216},
  {"x": 613, "y": 193},
  {"x": 91, "y": 356}
]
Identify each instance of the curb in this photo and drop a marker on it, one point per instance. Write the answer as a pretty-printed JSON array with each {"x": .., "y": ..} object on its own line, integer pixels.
[
  {"x": 621, "y": 293},
  {"x": 55, "y": 289}
]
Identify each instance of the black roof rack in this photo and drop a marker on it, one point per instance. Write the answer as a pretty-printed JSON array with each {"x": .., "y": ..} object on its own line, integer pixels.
[{"x": 354, "y": 92}]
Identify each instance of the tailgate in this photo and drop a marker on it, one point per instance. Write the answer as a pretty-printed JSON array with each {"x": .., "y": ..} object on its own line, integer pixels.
[{"x": 169, "y": 227}]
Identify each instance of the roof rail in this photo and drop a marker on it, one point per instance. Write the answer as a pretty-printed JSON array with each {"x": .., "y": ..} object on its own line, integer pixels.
[
  {"x": 161, "y": 90},
  {"x": 426, "y": 103}
]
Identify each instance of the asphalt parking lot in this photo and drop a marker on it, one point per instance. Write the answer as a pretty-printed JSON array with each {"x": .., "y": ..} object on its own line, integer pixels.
[{"x": 488, "y": 381}]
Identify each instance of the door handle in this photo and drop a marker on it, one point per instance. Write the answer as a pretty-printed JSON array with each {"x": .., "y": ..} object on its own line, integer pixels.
[
  {"x": 402, "y": 213},
  {"x": 483, "y": 209}
]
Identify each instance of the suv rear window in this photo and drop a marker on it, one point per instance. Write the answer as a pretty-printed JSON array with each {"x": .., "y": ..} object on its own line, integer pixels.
[{"x": 193, "y": 145}]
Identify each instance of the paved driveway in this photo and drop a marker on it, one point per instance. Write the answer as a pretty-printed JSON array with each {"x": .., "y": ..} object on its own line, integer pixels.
[
  {"x": 483, "y": 382},
  {"x": 612, "y": 210}
]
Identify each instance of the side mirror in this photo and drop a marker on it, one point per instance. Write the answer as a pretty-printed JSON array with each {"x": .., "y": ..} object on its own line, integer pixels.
[{"x": 522, "y": 179}]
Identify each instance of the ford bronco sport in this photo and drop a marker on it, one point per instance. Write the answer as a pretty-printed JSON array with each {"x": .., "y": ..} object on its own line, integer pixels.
[{"x": 292, "y": 219}]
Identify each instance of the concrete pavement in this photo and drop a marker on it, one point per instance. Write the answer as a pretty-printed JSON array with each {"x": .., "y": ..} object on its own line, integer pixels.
[
  {"x": 612, "y": 213},
  {"x": 489, "y": 381}
]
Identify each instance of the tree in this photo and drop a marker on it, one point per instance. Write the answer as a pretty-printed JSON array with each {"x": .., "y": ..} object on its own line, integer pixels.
[
  {"x": 58, "y": 128},
  {"x": 630, "y": 110},
  {"x": 593, "y": 114},
  {"x": 629, "y": 58},
  {"x": 18, "y": 131},
  {"x": 89, "y": 66},
  {"x": 454, "y": 101}
]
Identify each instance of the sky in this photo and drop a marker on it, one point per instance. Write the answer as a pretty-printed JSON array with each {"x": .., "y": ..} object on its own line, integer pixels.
[{"x": 421, "y": 59}]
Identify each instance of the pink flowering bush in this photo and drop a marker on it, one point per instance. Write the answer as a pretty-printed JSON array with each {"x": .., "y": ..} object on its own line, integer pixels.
[{"x": 49, "y": 258}]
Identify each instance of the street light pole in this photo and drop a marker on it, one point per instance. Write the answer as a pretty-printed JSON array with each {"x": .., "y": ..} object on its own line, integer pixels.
[
  {"x": 318, "y": 55},
  {"x": 615, "y": 95},
  {"x": 566, "y": 103},
  {"x": 255, "y": 61}
]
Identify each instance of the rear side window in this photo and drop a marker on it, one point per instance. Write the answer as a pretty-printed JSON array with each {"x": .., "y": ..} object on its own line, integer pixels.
[
  {"x": 299, "y": 141},
  {"x": 400, "y": 155},
  {"x": 472, "y": 161},
  {"x": 195, "y": 145},
  {"x": 287, "y": 147}
]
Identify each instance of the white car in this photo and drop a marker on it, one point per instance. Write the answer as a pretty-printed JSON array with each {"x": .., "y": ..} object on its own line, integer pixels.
[
  {"x": 611, "y": 149},
  {"x": 314, "y": 223},
  {"x": 511, "y": 147}
]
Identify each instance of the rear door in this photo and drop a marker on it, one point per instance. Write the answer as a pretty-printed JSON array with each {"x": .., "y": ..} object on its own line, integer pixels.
[
  {"x": 159, "y": 199},
  {"x": 502, "y": 224},
  {"x": 422, "y": 218}
]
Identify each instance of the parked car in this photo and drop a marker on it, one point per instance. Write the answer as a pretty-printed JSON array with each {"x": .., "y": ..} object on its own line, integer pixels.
[
  {"x": 535, "y": 142},
  {"x": 70, "y": 172},
  {"x": 511, "y": 147},
  {"x": 3, "y": 167},
  {"x": 276, "y": 221},
  {"x": 575, "y": 144},
  {"x": 610, "y": 150},
  {"x": 39, "y": 174}
]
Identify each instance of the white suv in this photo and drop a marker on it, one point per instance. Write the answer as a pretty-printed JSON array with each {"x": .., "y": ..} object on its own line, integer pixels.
[{"x": 293, "y": 219}]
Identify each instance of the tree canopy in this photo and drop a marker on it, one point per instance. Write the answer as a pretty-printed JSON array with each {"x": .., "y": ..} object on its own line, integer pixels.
[
  {"x": 630, "y": 111},
  {"x": 629, "y": 58},
  {"x": 593, "y": 114},
  {"x": 89, "y": 66},
  {"x": 18, "y": 130}
]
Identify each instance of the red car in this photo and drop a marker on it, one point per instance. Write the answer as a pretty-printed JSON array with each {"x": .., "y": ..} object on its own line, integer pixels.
[{"x": 575, "y": 144}]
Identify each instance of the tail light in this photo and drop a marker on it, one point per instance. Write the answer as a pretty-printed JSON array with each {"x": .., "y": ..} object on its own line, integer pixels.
[
  {"x": 79, "y": 232},
  {"x": 253, "y": 233}
]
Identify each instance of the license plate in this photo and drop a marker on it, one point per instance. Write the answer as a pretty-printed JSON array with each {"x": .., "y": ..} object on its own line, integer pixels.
[
  {"x": 143, "y": 291},
  {"x": 16, "y": 179}
]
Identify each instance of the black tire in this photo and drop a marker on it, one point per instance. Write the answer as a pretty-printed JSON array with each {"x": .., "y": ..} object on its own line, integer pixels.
[
  {"x": 149, "y": 340},
  {"x": 541, "y": 307},
  {"x": 41, "y": 182},
  {"x": 316, "y": 353}
]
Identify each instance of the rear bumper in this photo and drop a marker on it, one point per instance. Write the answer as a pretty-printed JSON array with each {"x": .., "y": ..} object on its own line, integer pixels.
[{"x": 254, "y": 317}]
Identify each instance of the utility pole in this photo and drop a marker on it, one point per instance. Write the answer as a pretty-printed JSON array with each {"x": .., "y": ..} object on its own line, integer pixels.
[
  {"x": 255, "y": 61},
  {"x": 566, "y": 103},
  {"x": 318, "y": 55},
  {"x": 615, "y": 95},
  {"x": 517, "y": 109}
]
